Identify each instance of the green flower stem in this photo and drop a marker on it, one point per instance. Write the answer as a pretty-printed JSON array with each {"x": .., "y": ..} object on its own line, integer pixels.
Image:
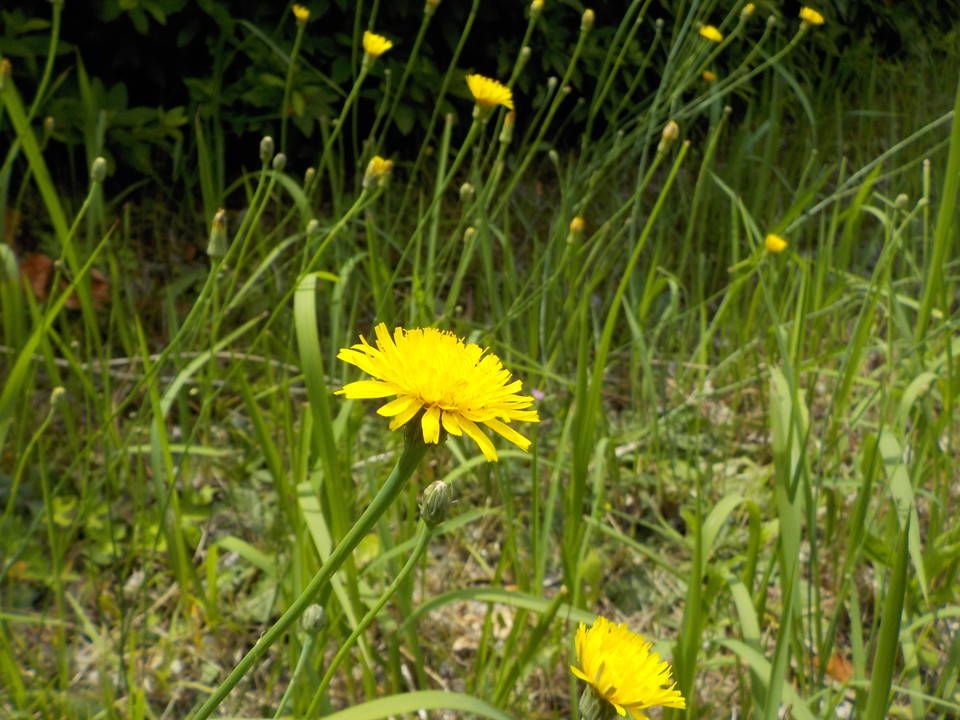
[
  {"x": 413, "y": 451},
  {"x": 288, "y": 86},
  {"x": 305, "y": 653},
  {"x": 347, "y": 104},
  {"x": 424, "y": 534}
]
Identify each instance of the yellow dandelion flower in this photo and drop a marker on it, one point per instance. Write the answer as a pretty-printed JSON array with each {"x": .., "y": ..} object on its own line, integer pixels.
[
  {"x": 709, "y": 76},
  {"x": 810, "y": 16},
  {"x": 711, "y": 33},
  {"x": 377, "y": 171},
  {"x": 775, "y": 243},
  {"x": 375, "y": 45},
  {"x": 301, "y": 13},
  {"x": 489, "y": 93},
  {"x": 620, "y": 670},
  {"x": 456, "y": 385}
]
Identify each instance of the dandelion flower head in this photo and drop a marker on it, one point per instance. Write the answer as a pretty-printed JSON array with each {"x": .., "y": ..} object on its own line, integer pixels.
[
  {"x": 301, "y": 13},
  {"x": 621, "y": 670},
  {"x": 711, "y": 33},
  {"x": 456, "y": 385},
  {"x": 810, "y": 16},
  {"x": 489, "y": 93},
  {"x": 375, "y": 45},
  {"x": 775, "y": 243}
]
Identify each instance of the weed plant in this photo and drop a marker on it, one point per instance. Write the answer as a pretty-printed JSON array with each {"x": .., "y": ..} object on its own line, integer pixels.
[{"x": 736, "y": 307}]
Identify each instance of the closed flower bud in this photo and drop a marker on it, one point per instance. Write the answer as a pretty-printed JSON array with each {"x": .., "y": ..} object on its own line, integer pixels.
[
  {"x": 506, "y": 133},
  {"x": 98, "y": 171},
  {"x": 308, "y": 176},
  {"x": 312, "y": 227},
  {"x": 430, "y": 6},
  {"x": 217, "y": 242},
  {"x": 56, "y": 395},
  {"x": 5, "y": 69},
  {"x": 49, "y": 125},
  {"x": 669, "y": 135},
  {"x": 536, "y": 7},
  {"x": 902, "y": 200},
  {"x": 436, "y": 503},
  {"x": 313, "y": 618},
  {"x": 747, "y": 11},
  {"x": 266, "y": 149},
  {"x": 467, "y": 192},
  {"x": 587, "y": 20},
  {"x": 279, "y": 162}
]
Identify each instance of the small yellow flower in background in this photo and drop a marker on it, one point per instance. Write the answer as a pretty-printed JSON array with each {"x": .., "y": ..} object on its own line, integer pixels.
[
  {"x": 775, "y": 243},
  {"x": 748, "y": 10},
  {"x": 301, "y": 13},
  {"x": 377, "y": 171},
  {"x": 709, "y": 76},
  {"x": 576, "y": 225},
  {"x": 711, "y": 33},
  {"x": 620, "y": 670},
  {"x": 489, "y": 93},
  {"x": 810, "y": 16},
  {"x": 375, "y": 45},
  {"x": 536, "y": 7},
  {"x": 456, "y": 385}
]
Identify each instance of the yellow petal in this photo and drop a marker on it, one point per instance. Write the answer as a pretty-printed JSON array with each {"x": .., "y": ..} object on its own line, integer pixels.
[
  {"x": 476, "y": 434},
  {"x": 509, "y": 433},
  {"x": 404, "y": 417},
  {"x": 363, "y": 389},
  {"x": 430, "y": 422},
  {"x": 396, "y": 407},
  {"x": 450, "y": 424}
]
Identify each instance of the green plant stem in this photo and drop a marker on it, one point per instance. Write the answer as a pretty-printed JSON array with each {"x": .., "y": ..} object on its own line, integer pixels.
[
  {"x": 413, "y": 451},
  {"x": 288, "y": 85},
  {"x": 424, "y": 534},
  {"x": 338, "y": 127},
  {"x": 305, "y": 653}
]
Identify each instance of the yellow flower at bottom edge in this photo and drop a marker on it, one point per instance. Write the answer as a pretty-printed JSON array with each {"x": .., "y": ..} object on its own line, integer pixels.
[
  {"x": 775, "y": 243},
  {"x": 455, "y": 384},
  {"x": 488, "y": 93},
  {"x": 620, "y": 669},
  {"x": 711, "y": 33},
  {"x": 810, "y": 16},
  {"x": 375, "y": 45}
]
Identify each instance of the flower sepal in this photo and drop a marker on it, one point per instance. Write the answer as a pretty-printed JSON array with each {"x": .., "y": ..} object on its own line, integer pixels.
[{"x": 594, "y": 707}]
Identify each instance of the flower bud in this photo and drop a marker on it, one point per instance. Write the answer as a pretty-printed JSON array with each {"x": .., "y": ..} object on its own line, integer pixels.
[
  {"x": 266, "y": 149},
  {"x": 536, "y": 7},
  {"x": 279, "y": 162},
  {"x": 49, "y": 125},
  {"x": 217, "y": 242},
  {"x": 576, "y": 229},
  {"x": 506, "y": 133},
  {"x": 901, "y": 201},
  {"x": 436, "y": 503},
  {"x": 467, "y": 191},
  {"x": 775, "y": 243},
  {"x": 312, "y": 227},
  {"x": 308, "y": 176},
  {"x": 56, "y": 395},
  {"x": 378, "y": 170},
  {"x": 301, "y": 13},
  {"x": 669, "y": 135},
  {"x": 98, "y": 171},
  {"x": 5, "y": 69},
  {"x": 313, "y": 618},
  {"x": 587, "y": 20},
  {"x": 747, "y": 11},
  {"x": 430, "y": 6}
]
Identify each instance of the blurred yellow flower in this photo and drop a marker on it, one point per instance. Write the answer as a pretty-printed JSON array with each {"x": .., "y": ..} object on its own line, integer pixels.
[
  {"x": 375, "y": 45},
  {"x": 747, "y": 10},
  {"x": 810, "y": 16},
  {"x": 711, "y": 33},
  {"x": 489, "y": 93},
  {"x": 377, "y": 170},
  {"x": 301, "y": 13},
  {"x": 775, "y": 243},
  {"x": 620, "y": 670},
  {"x": 709, "y": 76},
  {"x": 576, "y": 225},
  {"x": 456, "y": 385}
]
